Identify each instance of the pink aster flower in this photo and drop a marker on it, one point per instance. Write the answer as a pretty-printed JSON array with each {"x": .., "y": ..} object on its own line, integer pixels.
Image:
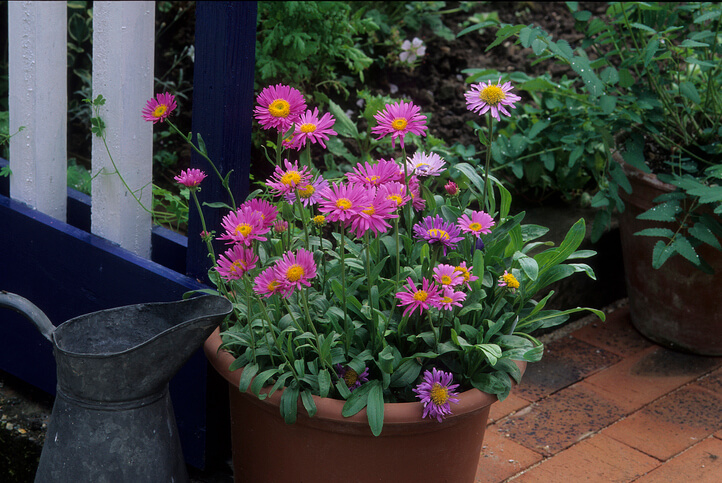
[
  {"x": 284, "y": 181},
  {"x": 495, "y": 97},
  {"x": 374, "y": 216},
  {"x": 294, "y": 270},
  {"x": 466, "y": 273},
  {"x": 243, "y": 226},
  {"x": 413, "y": 298},
  {"x": 310, "y": 128},
  {"x": 190, "y": 178},
  {"x": 343, "y": 202},
  {"x": 375, "y": 174},
  {"x": 394, "y": 191},
  {"x": 309, "y": 193},
  {"x": 278, "y": 107},
  {"x": 417, "y": 201},
  {"x": 398, "y": 119},
  {"x": 280, "y": 226},
  {"x": 352, "y": 379},
  {"x": 159, "y": 108},
  {"x": 236, "y": 262},
  {"x": 436, "y": 230},
  {"x": 267, "y": 284},
  {"x": 422, "y": 164},
  {"x": 267, "y": 210},
  {"x": 450, "y": 299},
  {"x": 479, "y": 224},
  {"x": 436, "y": 392},
  {"x": 447, "y": 276}
]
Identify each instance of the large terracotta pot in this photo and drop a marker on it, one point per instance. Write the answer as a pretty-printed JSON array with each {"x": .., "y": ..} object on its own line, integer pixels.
[
  {"x": 331, "y": 448},
  {"x": 677, "y": 305}
]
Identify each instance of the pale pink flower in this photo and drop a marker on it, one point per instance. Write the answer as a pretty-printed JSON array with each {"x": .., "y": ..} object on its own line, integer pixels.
[
  {"x": 487, "y": 96},
  {"x": 479, "y": 224}
]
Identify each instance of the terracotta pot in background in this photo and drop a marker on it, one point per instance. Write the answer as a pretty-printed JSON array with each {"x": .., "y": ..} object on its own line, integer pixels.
[
  {"x": 677, "y": 305},
  {"x": 329, "y": 447}
]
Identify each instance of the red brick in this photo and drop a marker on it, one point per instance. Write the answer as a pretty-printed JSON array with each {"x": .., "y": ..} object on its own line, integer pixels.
[
  {"x": 502, "y": 458},
  {"x": 712, "y": 382},
  {"x": 509, "y": 405},
  {"x": 616, "y": 334},
  {"x": 701, "y": 464},
  {"x": 640, "y": 379},
  {"x": 597, "y": 458},
  {"x": 565, "y": 362},
  {"x": 671, "y": 424},
  {"x": 560, "y": 420}
]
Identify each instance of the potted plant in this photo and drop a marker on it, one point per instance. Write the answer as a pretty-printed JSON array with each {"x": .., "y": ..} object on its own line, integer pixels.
[
  {"x": 377, "y": 315},
  {"x": 652, "y": 72}
]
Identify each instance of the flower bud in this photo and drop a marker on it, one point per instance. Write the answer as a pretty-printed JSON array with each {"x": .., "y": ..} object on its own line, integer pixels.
[{"x": 451, "y": 188}]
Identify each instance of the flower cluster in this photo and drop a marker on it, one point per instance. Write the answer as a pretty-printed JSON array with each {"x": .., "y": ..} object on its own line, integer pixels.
[{"x": 395, "y": 278}]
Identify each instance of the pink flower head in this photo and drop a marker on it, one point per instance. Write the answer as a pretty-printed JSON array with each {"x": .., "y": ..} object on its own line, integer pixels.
[
  {"x": 279, "y": 107},
  {"x": 375, "y": 174},
  {"x": 159, "y": 108},
  {"x": 413, "y": 298},
  {"x": 398, "y": 119},
  {"x": 447, "y": 276},
  {"x": 466, "y": 273},
  {"x": 310, "y": 128},
  {"x": 422, "y": 164},
  {"x": 417, "y": 201},
  {"x": 236, "y": 262},
  {"x": 450, "y": 299},
  {"x": 267, "y": 210},
  {"x": 309, "y": 193},
  {"x": 190, "y": 178},
  {"x": 451, "y": 188},
  {"x": 280, "y": 226},
  {"x": 487, "y": 96},
  {"x": 294, "y": 270},
  {"x": 394, "y": 191},
  {"x": 243, "y": 226},
  {"x": 479, "y": 224},
  {"x": 266, "y": 284},
  {"x": 284, "y": 181},
  {"x": 436, "y": 230},
  {"x": 436, "y": 392},
  {"x": 344, "y": 202},
  {"x": 374, "y": 216}
]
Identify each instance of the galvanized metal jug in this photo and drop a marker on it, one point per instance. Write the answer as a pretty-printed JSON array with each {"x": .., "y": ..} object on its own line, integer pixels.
[{"x": 112, "y": 419}]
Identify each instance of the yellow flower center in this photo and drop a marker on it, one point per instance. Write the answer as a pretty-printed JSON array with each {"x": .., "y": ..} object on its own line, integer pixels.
[
  {"x": 236, "y": 267},
  {"x": 294, "y": 273},
  {"x": 319, "y": 220},
  {"x": 306, "y": 191},
  {"x": 396, "y": 198},
  {"x": 308, "y": 127},
  {"x": 445, "y": 280},
  {"x": 475, "y": 226},
  {"x": 446, "y": 300},
  {"x": 272, "y": 285},
  {"x": 279, "y": 108},
  {"x": 438, "y": 233},
  {"x": 492, "y": 95},
  {"x": 510, "y": 280},
  {"x": 439, "y": 394},
  {"x": 343, "y": 203},
  {"x": 399, "y": 123},
  {"x": 292, "y": 178},
  {"x": 244, "y": 229},
  {"x": 372, "y": 179},
  {"x": 421, "y": 296},
  {"x": 160, "y": 110},
  {"x": 350, "y": 377},
  {"x": 370, "y": 210},
  {"x": 464, "y": 272}
]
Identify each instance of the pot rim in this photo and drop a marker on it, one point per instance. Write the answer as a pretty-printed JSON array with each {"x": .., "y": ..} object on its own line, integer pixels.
[{"x": 470, "y": 401}]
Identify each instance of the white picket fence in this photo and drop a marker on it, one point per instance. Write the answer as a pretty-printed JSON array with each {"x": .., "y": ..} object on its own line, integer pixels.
[{"x": 123, "y": 59}]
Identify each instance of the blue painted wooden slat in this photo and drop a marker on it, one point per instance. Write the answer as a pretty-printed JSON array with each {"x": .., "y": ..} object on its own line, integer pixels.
[{"x": 222, "y": 111}]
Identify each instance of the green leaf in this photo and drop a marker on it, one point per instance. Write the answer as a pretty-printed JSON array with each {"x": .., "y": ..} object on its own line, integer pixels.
[
  {"x": 688, "y": 90},
  {"x": 650, "y": 51},
  {"x": 289, "y": 403},
  {"x": 324, "y": 382},
  {"x": 308, "y": 403},
  {"x": 702, "y": 233},
  {"x": 260, "y": 380},
  {"x": 661, "y": 253},
  {"x": 529, "y": 266},
  {"x": 491, "y": 352},
  {"x": 684, "y": 247},
  {"x": 375, "y": 408},
  {"x": 663, "y": 212},
  {"x": 357, "y": 400},
  {"x": 246, "y": 376},
  {"x": 662, "y": 232},
  {"x": 405, "y": 375},
  {"x": 343, "y": 126},
  {"x": 201, "y": 144},
  {"x": 693, "y": 43}
]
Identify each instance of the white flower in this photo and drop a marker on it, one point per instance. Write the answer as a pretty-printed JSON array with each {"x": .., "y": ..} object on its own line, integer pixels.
[
  {"x": 412, "y": 50},
  {"x": 423, "y": 164}
]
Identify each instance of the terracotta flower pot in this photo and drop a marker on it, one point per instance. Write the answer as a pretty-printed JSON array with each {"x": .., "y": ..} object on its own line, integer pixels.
[
  {"x": 677, "y": 305},
  {"x": 330, "y": 447}
]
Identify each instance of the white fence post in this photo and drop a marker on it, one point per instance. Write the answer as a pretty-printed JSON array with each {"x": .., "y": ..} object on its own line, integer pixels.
[
  {"x": 123, "y": 60},
  {"x": 38, "y": 100}
]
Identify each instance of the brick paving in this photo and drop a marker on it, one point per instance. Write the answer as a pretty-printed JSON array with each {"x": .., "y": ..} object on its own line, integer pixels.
[{"x": 607, "y": 405}]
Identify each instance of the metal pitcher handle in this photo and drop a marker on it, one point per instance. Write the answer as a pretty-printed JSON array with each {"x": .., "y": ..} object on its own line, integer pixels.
[{"x": 30, "y": 311}]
